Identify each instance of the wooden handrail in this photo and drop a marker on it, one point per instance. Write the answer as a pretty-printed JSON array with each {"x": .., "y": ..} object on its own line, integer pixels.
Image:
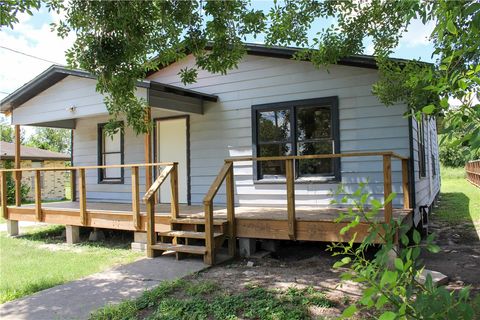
[
  {"x": 157, "y": 183},
  {"x": 318, "y": 156},
  {"x": 159, "y": 164},
  {"x": 149, "y": 200},
  {"x": 226, "y": 170}
]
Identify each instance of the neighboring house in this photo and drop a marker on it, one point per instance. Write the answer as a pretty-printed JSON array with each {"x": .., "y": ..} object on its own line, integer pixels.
[
  {"x": 52, "y": 183},
  {"x": 270, "y": 105}
]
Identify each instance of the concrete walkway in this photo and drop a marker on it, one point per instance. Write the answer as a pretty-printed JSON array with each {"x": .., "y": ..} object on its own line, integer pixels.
[{"x": 77, "y": 299}]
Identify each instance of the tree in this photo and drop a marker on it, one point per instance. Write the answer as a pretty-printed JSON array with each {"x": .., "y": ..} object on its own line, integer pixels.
[
  {"x": 120, "y": 41},
  {"x": 58, "y": 140},
  {"x": 7, "y": 133}
]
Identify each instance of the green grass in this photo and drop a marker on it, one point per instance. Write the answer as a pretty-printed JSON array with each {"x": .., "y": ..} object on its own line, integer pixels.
[
  {"x": 460, "y": 199},
  {"x": 202, "y": 299},
  {"x": 40, "y": 260}
]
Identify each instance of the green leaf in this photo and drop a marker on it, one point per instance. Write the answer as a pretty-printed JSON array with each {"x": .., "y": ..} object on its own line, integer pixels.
[
  {"x": 404, "y": 239},
  {"x": 416, "y": 237},
  {"x": 433, "y": 248},
  {"x": 451, "y": 27},
  {"x": 389, "y": 315},
  {"x": 350, "y": 311},
  {"x": 428, "y": 109},
  {"x": 398, "y": 264},
  {"x": 388, "y": 277}
]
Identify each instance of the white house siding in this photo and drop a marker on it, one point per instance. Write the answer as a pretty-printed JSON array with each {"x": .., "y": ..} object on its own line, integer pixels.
[
  {"x": 426, "y": 188},
  {"x": 55, "y": 102},
  {"x": 224, "y": 130}
]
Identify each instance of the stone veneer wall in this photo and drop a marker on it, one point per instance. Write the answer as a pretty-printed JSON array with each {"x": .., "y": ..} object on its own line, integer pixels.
[{"x": 53, "y": 183}]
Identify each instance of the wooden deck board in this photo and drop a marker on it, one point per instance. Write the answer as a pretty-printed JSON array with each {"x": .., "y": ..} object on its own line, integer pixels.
[
  {"x": 312, "y": 223},
  {"x": 196, "y": 211}
]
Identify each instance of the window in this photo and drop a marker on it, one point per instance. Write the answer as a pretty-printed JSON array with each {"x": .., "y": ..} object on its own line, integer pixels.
[
  {"x": 110, "y": 152},
  {"x": 302, "y": 127},
  {"x": 422, "y": 168}
]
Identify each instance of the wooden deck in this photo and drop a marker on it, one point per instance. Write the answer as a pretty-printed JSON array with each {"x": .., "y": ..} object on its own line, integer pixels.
[{"x": 313, "y": 223}]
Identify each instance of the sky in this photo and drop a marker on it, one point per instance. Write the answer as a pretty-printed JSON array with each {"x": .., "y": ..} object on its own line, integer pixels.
[{"x": 32, "y": 36}]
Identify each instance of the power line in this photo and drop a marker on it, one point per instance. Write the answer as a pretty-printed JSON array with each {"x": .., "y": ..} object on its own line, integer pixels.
[
  {"x": 4, "y": 92},
  {"x": 29, "y": 55}
]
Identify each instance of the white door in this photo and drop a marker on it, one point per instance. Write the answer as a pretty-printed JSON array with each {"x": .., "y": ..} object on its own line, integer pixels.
[{"x": 172, "y": 147}]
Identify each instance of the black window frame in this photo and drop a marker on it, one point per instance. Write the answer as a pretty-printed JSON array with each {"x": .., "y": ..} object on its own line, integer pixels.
[
  {"x": 422, "y": 156},
  {"x": 332, "y": 102},
  {"x": 100, "y": 153}
]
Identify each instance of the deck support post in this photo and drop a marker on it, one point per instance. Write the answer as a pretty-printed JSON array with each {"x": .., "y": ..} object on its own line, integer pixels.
[
  {"x": 135, "y": 198},
  {"x": 387, "y": 187},
  {"x": 83, "y": 196},
  {"x": 73, "y": 186},
  {"x": 3, "y": 194},
  {"x": 405, "y": 184},
  {"x": 174, "y": 191},
  {"x": 12, "y": 228},
  {"x": 151, "y": 234},
  {"x": 148, "y": 149},
  {"x": 209, "y": 257},
  {"x": 72, "y": 234},
  {"x": 18, "y": 174},
  {"x": 38, "y": 197},
  {"x": 289, "y": 165},
  {"x": 232, "y": 243}
]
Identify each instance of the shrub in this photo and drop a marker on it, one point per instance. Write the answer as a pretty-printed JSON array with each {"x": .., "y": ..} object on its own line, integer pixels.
[{"x": 24, "y": 188}]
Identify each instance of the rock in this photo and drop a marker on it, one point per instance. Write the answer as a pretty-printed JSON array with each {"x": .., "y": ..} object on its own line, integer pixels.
[
  {"x": 250, "y": 264},
  {"x": 437, "y": 277}
]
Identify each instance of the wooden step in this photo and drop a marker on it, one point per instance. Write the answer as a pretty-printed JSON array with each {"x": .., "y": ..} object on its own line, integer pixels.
[
  {"x": 216, "y": 222},
  {"x": 180, "y": 248},
  {"x": 187, "y": 234}
]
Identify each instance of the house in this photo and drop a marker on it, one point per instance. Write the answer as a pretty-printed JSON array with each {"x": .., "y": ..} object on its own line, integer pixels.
[
  {"x": 53, "y": 183},
  {"x": 282, "y": 133}
]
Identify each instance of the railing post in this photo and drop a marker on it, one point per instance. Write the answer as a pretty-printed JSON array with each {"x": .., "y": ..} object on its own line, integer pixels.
[
  {"x": 151, "y": 236},
  {"x": 174, "y": 191},
  {"x": 18, "y": 174},
  {"x": 405, "y": 184},
  {"x": 38, "y": 196},
  {"x": 289, "y": 165},
  {"x": 209, "y": 257},
  {"x": 387, "y": 187},
  {"x": 135, "y": 198},
  {"x": 3, "y": 194},
  {"x": 232, "y": 243},
  {"x": 83, "y": 196},
  {"x": 73, "y": 185}
]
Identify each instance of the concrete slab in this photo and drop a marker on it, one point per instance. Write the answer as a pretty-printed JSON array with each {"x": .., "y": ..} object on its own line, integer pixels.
[
  {"x": 438, "y": 278},
  {"x": 77, "y": 299}
]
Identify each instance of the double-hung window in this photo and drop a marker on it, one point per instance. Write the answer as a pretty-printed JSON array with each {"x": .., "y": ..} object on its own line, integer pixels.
[
  {"x": 422, "y": 161},
  {"x": 303, "y": 127},
  {"x": 110, "y": 152}
]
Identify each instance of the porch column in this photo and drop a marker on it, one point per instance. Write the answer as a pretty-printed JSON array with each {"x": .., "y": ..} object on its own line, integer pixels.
[
  {"x": 18, "y": 175},
  {"x": 148, "y": 150}
]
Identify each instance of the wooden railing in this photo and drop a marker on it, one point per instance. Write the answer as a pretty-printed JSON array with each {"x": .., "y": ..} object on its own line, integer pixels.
[
  {"x": 79, "y": 173},
  {"x": 226, "y": 173},
  {"x": 472, "y": 170},
  {"x": 149, "y": 199}
]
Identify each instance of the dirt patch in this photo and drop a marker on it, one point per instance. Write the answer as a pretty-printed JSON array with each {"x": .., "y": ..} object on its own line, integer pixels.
[
  {"x": 459, "y": 257},
  {"x": 298, "y": 265}
]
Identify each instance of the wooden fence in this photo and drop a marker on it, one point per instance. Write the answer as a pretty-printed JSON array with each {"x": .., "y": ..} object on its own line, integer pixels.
[{"x": 472, "y": 169}]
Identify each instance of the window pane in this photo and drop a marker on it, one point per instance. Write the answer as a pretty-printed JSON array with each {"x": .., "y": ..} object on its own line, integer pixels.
[
  {"x": 273, "y": 169},
  {"x": 274, "y": 125},
  {"x": 315, "y": 166},
  {"x": 313, "y": 123},
  {"x": 112, "y": 159},
  {"x": 112, "y": 143}
]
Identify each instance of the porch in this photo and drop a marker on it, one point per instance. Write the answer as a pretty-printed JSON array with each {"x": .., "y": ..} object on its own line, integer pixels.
[{"x": 202, "y": 229}]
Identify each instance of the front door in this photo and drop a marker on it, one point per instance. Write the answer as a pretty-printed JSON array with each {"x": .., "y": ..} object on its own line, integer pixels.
[{"x": 172, "y": 146}]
